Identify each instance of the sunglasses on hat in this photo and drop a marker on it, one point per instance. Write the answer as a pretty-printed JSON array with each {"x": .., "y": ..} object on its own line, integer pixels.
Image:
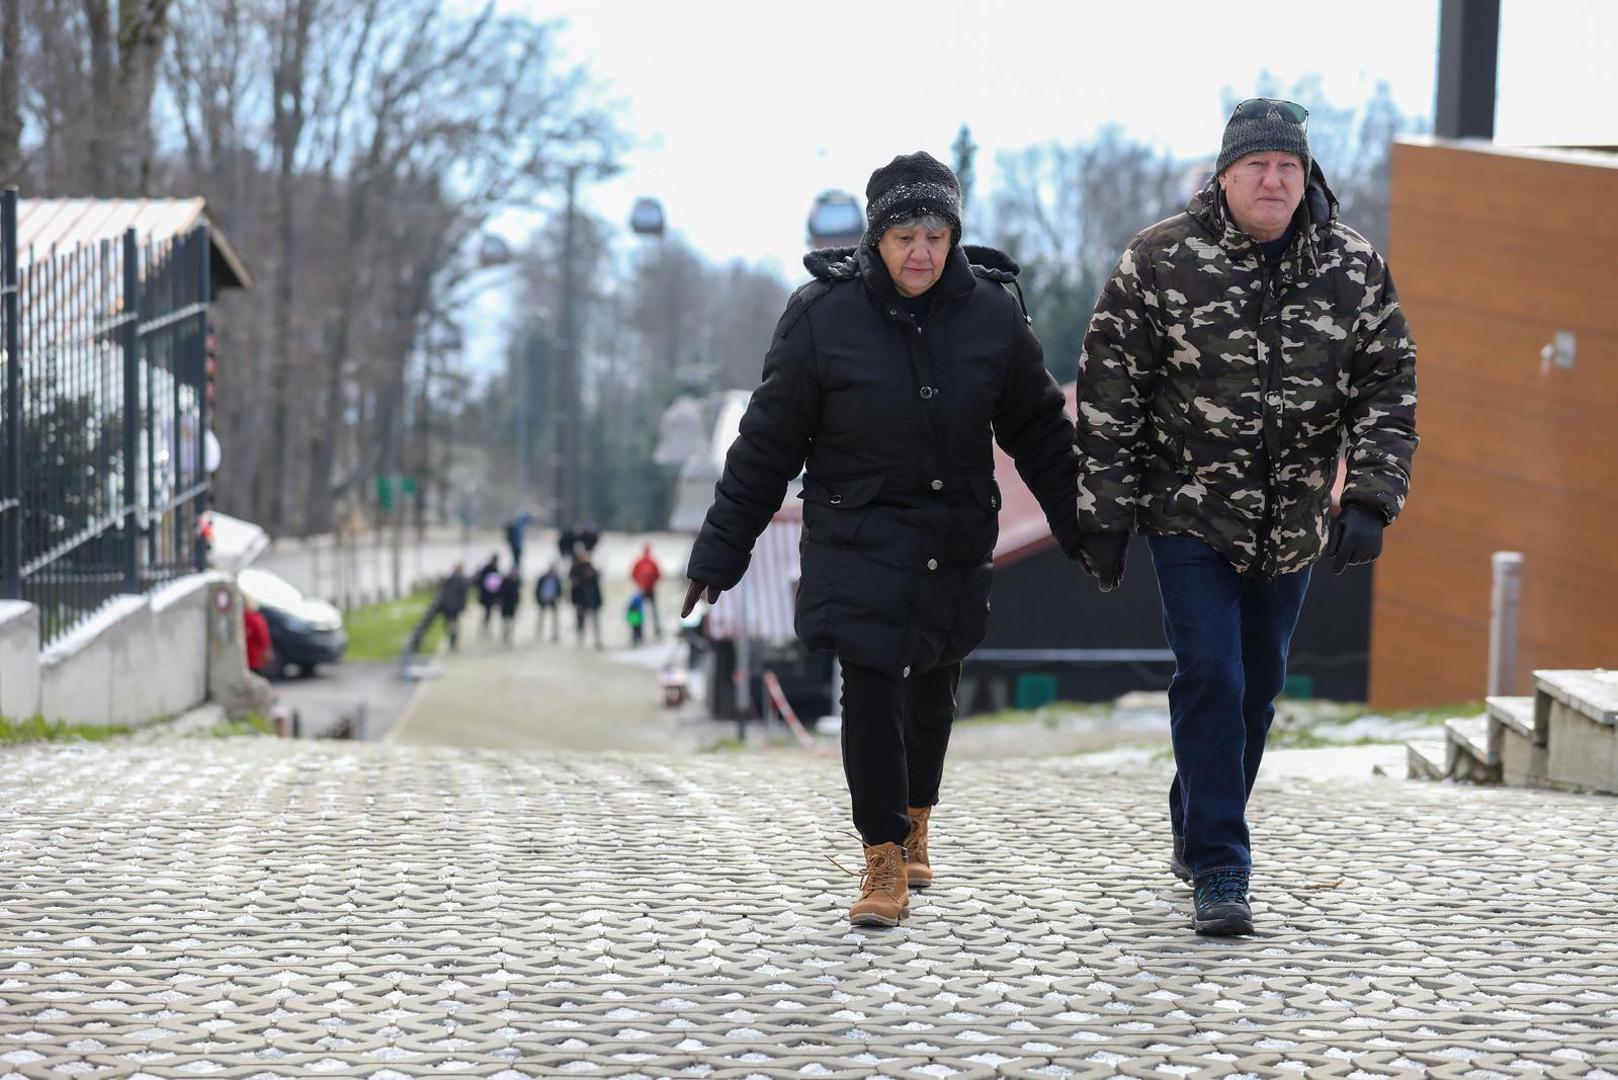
[{"x": 1259, "y": 107}]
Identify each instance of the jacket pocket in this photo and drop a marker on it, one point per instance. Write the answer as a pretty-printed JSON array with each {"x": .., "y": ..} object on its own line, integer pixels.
[
  {"x": 985, "y": 490},
  {"x": 976, "y": 524},
  {"x": 847, "y": 494},
  {"x": 837, "y": 512}
]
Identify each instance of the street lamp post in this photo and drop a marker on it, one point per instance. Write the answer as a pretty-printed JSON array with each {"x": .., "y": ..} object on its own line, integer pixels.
[{"x": 567, "y": 440}]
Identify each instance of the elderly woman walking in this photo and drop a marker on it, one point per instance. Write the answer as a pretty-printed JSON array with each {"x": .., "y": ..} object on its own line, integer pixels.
[{"x": 887, "y": 376}]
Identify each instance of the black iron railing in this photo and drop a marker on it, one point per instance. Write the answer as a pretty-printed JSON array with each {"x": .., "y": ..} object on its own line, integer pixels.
[{"x": 103, "y": 478}]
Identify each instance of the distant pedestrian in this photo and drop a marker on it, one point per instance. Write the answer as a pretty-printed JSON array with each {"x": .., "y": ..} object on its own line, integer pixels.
[
  {"x": 548, "y": 595},
  {"x": 567, "y": 540},
  {"x": 635, "y": 616},
  {"x": 451, "y": 603},
  {"x": 447, "y": 603},
  {"x": 489, "y": 579},
  {"x": 1238, "y": 350},
  {"x": 584, "y": 591},
  {"x": 516, "y": 529},
  {"x": 510, "y": 595},
  {"x": 256, "y": 630},
  {"x": 589, "y": 537},
  {"x": 647, "y": 574}
]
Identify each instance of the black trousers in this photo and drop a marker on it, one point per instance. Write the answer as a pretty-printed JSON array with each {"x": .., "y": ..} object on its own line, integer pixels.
[{"x": 895, "y": 733}]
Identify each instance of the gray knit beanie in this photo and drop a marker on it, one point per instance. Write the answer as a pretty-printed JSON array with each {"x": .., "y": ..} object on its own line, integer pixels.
[
  {"x": 1248, "y": 134},
  {"x": 912, "y": 186}
]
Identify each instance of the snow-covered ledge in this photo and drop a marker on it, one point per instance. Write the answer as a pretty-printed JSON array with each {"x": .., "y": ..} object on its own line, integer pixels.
[
  {"x": 19, "y": 659},
  {"x": 137, "y": 659}
]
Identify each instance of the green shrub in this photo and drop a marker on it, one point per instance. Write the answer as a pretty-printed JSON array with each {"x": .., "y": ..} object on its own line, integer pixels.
[{"x": 38, "y": 729}]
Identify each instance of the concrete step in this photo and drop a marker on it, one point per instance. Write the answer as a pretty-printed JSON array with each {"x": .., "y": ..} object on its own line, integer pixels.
[
  {"x": 1467, "y": 745},
  {"x": 1514, "y": 712},
  {"x": 1513, "y": 742},
  {"x": 1592, "y": 693},
  {"x": 1577, "y": 712},
  {"x": 1424, "y": 759}
]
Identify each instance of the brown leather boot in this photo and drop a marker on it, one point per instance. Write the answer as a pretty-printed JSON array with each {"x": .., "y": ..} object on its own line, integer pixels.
[
  {"x": 918, "y": 871},
  {"x": 884, "y": 896}
]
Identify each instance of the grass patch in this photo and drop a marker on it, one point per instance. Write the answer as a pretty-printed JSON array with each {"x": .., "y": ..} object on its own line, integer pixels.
[
  {"x": 1305, "y": 739},
  {"x": 727, "y": 745},
  {"x": 251, "y": 724},
  {"x": 1436, "y": 714},
  {"x": 379, "y": 631},
  {"x": 38, "y": 729}
]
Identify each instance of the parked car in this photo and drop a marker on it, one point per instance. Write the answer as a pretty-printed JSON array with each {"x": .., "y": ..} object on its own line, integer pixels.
[{"x": 304, "y": 633}]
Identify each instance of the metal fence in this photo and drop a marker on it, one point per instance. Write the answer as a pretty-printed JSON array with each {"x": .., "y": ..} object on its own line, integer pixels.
[{"x": 103, "y": 481}]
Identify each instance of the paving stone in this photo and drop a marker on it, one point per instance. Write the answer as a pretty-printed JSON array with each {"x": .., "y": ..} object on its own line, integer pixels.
[{"x": 262, "y": 908}]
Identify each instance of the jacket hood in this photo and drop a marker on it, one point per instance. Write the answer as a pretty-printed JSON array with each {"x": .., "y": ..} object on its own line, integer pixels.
[
  {"x": 991, "y": 263},
  {"x": 1318, "y": 209},
  {"x": 832, "y": 264}
]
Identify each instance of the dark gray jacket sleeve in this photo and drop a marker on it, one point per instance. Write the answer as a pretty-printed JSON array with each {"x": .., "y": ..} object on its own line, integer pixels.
[
  {"x": 768, "y": 452},
  {"x": 1381, "y": 409}
]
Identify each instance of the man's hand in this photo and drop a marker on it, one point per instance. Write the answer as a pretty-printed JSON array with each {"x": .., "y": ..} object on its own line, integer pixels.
[
  {"x": 1102, "y": 556},
  {"x": 1355, "y": 538},
  {"x": 693, "y": 592}
]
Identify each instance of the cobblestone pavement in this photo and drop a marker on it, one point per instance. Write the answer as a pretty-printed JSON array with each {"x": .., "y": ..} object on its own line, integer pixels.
[{"x": 260, "y": 908}]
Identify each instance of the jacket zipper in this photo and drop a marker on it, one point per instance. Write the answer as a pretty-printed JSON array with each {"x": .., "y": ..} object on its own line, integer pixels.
[
  {"x": 925, "y": 366},
  {"x": 1272, "y": 381}
]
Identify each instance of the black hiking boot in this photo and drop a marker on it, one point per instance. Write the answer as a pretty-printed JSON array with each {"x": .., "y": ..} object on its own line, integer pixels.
[
  {"x": 1221, "y": 904},
  {"x": 1177, "y": 865}
]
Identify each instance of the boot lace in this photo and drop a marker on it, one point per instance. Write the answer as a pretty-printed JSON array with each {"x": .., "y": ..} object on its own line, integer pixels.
[
  {"x": 1222, "y": 887},
  {"x": 916, "y": 842},
  {"x": 881, "y": 874}
]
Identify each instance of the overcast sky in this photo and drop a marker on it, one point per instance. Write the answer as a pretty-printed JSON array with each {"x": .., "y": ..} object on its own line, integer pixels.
[{"x": 744, "y": 111}]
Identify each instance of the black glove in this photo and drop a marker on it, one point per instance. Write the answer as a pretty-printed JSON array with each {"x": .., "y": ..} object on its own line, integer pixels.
[
  {"x": 1355, "y": 538},
  {"x": 1102, "y": 556}
]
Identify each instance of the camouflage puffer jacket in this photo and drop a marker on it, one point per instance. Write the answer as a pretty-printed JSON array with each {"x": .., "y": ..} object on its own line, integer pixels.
[{"x": 1216, "y": 393}]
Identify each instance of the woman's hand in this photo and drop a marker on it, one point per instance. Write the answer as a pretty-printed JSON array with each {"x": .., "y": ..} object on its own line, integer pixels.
[{"x": 693, "y": 592}]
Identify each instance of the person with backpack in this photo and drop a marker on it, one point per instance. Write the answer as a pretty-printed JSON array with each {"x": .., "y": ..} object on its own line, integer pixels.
[
  {"x": 488, "y": 582},
  {"x": 635, "y": 616},
  {"x": 548, "y": 595}
]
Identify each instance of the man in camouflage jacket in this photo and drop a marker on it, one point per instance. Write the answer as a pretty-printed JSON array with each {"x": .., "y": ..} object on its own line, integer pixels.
[{"x": 1237, "y": 352}]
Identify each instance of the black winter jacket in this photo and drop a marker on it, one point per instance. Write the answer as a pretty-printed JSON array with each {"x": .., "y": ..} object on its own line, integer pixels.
[{"x": 892, "y": 424}]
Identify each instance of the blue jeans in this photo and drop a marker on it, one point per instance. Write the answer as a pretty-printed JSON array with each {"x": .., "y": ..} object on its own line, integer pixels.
[{"x": 1229, "y": 633}]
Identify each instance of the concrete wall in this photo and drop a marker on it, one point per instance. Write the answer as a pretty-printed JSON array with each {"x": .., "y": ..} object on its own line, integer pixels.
[
  {"x": 1496, "y": 252},
  {"x": 19, "y": 659},
  {"x": 138, "y": 659}
]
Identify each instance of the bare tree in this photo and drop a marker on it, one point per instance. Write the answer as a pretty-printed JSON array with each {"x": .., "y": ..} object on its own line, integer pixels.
[
  {"x": 659, "y": 321},
  {"x": 10, "y": 92},
  {"x": 364, "y": 143},
  {"x": 1065, "y": 213},
  {"x": 480, "y": 104},
  {"x": 97, "y": 74}
]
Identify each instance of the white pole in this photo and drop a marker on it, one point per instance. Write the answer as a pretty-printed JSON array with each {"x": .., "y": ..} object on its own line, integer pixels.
[
  {"x": 744, "y": 654},
  {"x": 1503, "y": 608}
]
